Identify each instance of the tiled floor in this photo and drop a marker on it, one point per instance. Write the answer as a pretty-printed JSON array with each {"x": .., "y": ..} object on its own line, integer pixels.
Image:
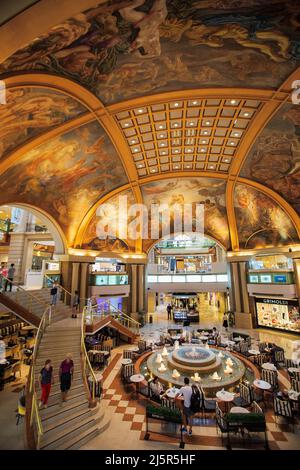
[{"x": 127, "y": 427}]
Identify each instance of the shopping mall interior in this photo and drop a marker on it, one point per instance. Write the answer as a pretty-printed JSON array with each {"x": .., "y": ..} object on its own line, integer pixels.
[{"x": 149, "y": 225}]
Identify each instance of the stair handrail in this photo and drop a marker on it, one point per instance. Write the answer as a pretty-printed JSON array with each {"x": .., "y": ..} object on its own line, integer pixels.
[
  {"x": 62, "y": 288},
  {"x": 122, "y": 314},
  {"x": 27, "y": 292},
  {"x": 32, "y": 403},
  {"x": 86, "y": 364}
]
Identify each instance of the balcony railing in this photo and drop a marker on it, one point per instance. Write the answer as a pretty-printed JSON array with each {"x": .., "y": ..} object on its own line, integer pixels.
[{"x": 187, "y": 278}]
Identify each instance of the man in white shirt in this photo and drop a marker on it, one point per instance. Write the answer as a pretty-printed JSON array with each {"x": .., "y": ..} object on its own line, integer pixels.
[{"x": 186, "y": 391}]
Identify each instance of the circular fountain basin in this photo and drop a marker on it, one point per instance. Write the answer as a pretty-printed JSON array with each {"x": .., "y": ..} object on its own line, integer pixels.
[{"x": 205, "y": 362}]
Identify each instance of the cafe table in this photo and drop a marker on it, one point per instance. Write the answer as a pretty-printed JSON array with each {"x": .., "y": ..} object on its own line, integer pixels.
[
  {"x": 269, "y": 366},
  {"x": 137, "y": 379},
  {"x": 263, "y": 386},
  {"x": 255, "y": 352},
  {"x": 239, "y": 409},
  {"x": 125, "y": 362},
  {"x": 226, "y": 397},
  {"x": 171, "y": 392}
]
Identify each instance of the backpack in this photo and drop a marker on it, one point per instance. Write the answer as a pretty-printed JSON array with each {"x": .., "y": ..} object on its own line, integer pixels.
[{"x": 195, "y": 400}]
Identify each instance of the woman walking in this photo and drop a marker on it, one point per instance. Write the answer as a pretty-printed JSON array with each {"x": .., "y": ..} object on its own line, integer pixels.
[
  {"x": 65, "y": 376},
  {"x": 46, "y": 380},
  {"x": 225, "y": 321}
]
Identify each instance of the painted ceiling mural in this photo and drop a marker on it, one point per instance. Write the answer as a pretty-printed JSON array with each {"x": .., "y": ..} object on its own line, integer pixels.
[
  {"x": 260, "y": 221},
  {"x": 110, "y": 217},
  {"x": 124, "y": 49},
  {"x": 31, "y": 111},
  {"x": 65, "y": 176},
  {"x": 274, "y": 159},
  {"x": 210, "y": 192}
]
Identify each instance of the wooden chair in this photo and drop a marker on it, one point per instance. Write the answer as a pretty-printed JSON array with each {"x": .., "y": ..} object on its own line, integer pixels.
[
  {"x": 245, "y": 396},
  {"x": 284, "y": 409},
  {"x": 295, "y": 385}
]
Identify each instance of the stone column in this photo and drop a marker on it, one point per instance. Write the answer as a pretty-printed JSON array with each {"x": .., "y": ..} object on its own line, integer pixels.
[
  {"x": 66, "y": 278},
  {"x": 141, "y": 287},
  {"x": 84, "y": 276},
  {"x": 239, "y": 294},
  {"x": 296, "y": 266},
  {"x": 133, "y": 290}
]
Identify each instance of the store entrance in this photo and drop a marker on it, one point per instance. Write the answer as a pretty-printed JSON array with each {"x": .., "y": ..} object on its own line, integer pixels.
[{"x": 193, "y": 307}]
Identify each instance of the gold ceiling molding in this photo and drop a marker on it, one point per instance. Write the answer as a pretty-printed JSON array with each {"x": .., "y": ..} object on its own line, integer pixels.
[
  {"x": 37, "y": 20},
  {"x": 59, "y": 84},
  {"x": 271, "y": 106},
  {"x": 89, "y": 215},
  {"x": 61, "y": 244},
  {"x": 88, "y": 100},
  {"x": 11, "y": 158},
  {"x": 287, "y": 208}
]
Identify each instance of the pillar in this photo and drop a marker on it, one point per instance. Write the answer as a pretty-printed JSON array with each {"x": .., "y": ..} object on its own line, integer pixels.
[
  {"x": 75, "y": 278},
  {"x": 141, "y": 287},
  {"x": 133, "y": 290},
  {"x": 296, "y": 266},
  {"x": 66, "y": 278},
  {"x": 239, "y": 294},
  {"x": 84, "y": 276}
]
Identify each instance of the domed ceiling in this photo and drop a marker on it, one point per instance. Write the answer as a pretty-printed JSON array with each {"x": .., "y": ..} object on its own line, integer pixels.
[{"x": 160, "y": 100}]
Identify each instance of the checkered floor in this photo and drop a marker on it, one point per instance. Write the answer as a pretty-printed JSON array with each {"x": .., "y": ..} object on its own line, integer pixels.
[{"x": 128, "y": 421}]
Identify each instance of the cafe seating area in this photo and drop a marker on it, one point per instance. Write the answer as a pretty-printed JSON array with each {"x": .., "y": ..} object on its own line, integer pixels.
[{"x": 241, "y": 414}]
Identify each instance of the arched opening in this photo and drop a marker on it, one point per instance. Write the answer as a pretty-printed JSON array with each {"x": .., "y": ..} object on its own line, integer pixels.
[
  {"x": 188, "y": 272},
  {"x": 30, "y": 239}
]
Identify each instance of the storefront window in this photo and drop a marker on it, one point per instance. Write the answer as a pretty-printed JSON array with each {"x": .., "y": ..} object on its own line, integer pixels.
[
  {"x": 281, "y": 314},
  {"x": 274, "y": 262}
]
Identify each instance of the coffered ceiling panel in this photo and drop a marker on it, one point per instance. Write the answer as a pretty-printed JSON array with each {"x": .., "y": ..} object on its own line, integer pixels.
[{"x": 194, "y": 134}]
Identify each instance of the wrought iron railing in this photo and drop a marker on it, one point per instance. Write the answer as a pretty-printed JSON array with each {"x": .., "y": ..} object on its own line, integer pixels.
[
  {"x": 87, "y": 370},
  {"x": 105, "y": 308}
]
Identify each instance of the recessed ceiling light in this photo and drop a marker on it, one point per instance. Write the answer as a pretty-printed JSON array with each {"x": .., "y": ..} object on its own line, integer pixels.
[
  {"x": 163, "y": 153},
  {"x": 133, "y": 141},
  {"x": 205, "y": 132},
  {"x": 231, "y": 143},
  {"x": 232, "y": 101},
  {"x": 136, "y": 150},
  {"x": 195, "y": 102},
  {"x": 211, "y": 167},
  {"x": 202, "y": 150},
  {"x": 236, "y": 134},
  {"x": 176, "y": 104},
  {"x": 207, "y": 123},
  {"x": 246, "y": 114},
  {"x": 140, "y": 110},
  {"x": 140, "y": 166},
  {"x": 203, "y": 141},
  {"x": 176, "y": 151},
  {"x": 161, "y": 135},
  {"x": 153, "y": 171},
  {"x": 176, "y": 166},
  {"x": 175, "y": 125},
  {"x": 189, "y": 150},
  {"x": 160, "y": 127},
  {"x": 162, "y": 144},
  {"x": 126, "y": 124},
  {"x": 192, "y": 123},
  {"x": 226, "y": 160}
]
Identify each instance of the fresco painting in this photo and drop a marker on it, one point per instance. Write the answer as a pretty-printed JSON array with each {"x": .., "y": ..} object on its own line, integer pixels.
[
  {"x": 91, "y": 240},
  {"x": 65, "y": 176},
  {"x": 274, "y": 159},
  {"x": 124, "y": 49},
  {"x": 31, "y": 111},
  {"x": 207, "y": 191},
  {"x": 260, "y": 221}
]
